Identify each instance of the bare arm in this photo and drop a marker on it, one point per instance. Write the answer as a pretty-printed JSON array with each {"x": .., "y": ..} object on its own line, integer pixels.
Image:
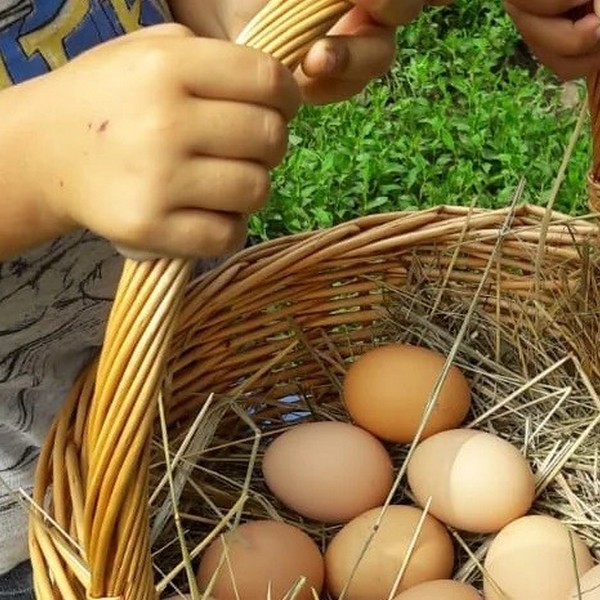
[
  {"x": 25, "y": 219},
  {"x": 157, "y": 151},
  {"x": 215, "y": 18}
]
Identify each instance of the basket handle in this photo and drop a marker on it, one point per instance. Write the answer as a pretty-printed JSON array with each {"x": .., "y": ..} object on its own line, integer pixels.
[
  {"x": 593, "y": 89},
  {"x": 132, "y": 362}
]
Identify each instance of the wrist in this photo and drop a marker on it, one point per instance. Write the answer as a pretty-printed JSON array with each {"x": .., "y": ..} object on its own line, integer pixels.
[{"x": 28, "y": 217}]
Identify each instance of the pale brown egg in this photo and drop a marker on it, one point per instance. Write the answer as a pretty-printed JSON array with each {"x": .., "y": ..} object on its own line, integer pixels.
[
  {"x": 262, "y": 556},
  {"x": 387, "y": 389},
  {"x": 532, "y": 559},
  {"x": 328, "y": 471},
  {"x": 589, "y": 586},
  {"x": 441, "y": 589},
  {"x": 432, "y": 558},
  {"x": 478, "y": 482}
]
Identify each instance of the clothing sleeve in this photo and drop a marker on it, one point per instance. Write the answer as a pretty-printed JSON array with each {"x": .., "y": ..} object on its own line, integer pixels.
[{"x": 37, "y": 36}]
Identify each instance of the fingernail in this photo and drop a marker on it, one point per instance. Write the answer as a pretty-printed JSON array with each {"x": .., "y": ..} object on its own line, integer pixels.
[{"x": 331, "y": 59}]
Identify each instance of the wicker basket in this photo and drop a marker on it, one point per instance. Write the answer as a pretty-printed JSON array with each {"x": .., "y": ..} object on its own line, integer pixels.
[{"x": 172, "y": 339}]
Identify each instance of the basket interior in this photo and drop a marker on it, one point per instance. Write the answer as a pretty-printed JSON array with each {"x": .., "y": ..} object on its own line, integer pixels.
[{"x": 264, "y": 356}]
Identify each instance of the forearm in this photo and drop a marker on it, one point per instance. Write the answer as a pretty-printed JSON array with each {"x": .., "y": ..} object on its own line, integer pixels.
[
  {"x": 25, "y": 221},
  {"x": 220, "y": 19},
  {"x": 204, "y": 17}
]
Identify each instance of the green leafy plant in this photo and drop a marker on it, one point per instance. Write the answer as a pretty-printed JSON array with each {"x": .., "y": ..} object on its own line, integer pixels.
[{"x": 464, "y": 114}]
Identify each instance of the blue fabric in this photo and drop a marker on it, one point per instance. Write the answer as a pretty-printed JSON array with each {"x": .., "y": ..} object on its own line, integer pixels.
[
  {"x": 39, "y": 36},
  {"x": 17, "y": 584}
]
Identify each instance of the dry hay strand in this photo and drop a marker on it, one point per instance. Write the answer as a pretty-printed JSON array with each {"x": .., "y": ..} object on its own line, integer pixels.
[
  {"x": 530, "y": 364},
  {"x": 522, "y": 328}
]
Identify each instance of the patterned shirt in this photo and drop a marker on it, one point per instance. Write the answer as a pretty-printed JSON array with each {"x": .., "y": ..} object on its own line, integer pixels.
[{"x": 54, "y": 299}]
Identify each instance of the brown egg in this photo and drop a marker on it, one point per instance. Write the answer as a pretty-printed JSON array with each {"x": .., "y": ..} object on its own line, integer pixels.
[
  {"x": 432, "y": 558},
  {"x": 532, "y": 559},
  {"x": 441, "y": 589},
  {"x": 478, "y": 482},
  {"x": 589, "y": 586},
  {"x": 262, "y": 555},
  {"x": 328, "y": 471},
  {"x": 387, "y": 389}
]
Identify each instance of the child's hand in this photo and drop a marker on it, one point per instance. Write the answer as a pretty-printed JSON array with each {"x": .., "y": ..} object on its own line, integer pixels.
[
  {"x": 161, "y": 141},
  {"x": 563, "y": 34},
  {"x": 360, "y": 48}
]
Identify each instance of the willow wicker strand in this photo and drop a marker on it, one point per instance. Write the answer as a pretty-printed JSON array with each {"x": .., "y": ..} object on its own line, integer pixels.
[
  {"x": 103, "y": 503},
  {"x": 272, "y": 26},
  {"x": 593, "y": 88},
  {"x": 228, "y": 348}
]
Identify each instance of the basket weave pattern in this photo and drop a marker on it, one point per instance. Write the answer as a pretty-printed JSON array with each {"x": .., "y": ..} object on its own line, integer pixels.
[{"x": 171, "y": 339}]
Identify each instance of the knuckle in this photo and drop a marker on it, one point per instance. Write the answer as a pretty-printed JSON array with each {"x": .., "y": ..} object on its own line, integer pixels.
[
  {"x": 271, "y": 75},
  {"x": 227, "y": 237},
  {"x": 275, "y": 136},
  {"x": 162, "y": 129},
  {"x": 155, "y": 64},
  {"x": 259, "y": 189},
  {"x": 386, "y": 62},
  {"x": 144, "y": 204},
  {"x": 574, "y": 45},
  {"x": 134, "y": 226}
]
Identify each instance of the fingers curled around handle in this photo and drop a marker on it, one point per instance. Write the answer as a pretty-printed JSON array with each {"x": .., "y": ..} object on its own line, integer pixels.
[{"x": 189, "y": 233}]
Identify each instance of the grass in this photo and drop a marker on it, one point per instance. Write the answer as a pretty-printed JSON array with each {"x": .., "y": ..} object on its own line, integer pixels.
[{"x": 462, "y": 116}]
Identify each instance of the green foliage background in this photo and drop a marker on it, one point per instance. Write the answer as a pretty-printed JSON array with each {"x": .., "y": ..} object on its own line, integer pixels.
[{"x": 462, "y": 117}]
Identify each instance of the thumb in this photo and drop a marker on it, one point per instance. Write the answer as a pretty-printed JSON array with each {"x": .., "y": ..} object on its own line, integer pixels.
[
  {"x": 548, "y": 8},
  {"x": 329, "y": 57}
]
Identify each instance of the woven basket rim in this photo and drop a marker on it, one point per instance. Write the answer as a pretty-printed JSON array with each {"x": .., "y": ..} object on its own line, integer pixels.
[{"x": 211, "y": 296}]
